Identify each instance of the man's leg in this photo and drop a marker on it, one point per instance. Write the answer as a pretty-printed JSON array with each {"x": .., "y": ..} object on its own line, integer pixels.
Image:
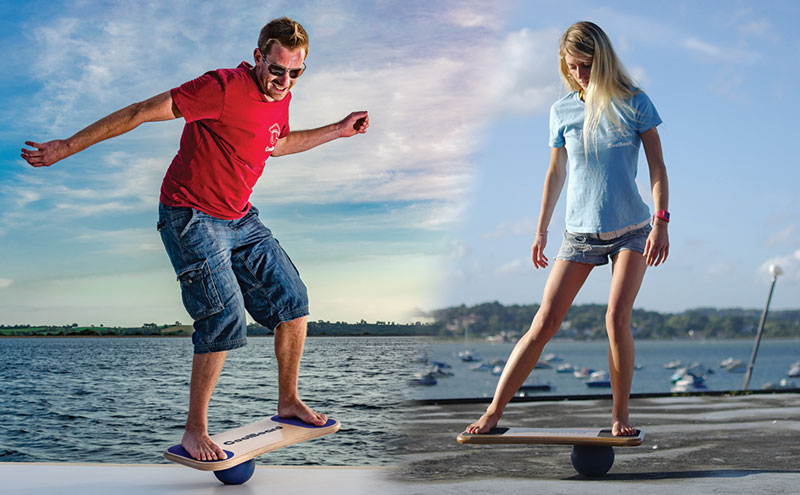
[
  {"x": 290, "y": 337},
  {"x": 196, "y": 441}
]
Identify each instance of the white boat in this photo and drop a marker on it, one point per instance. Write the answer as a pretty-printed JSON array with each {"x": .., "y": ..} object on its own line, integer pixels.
[
  {"x": 598, "y": 379},
  {"x": 438, "y": 372},
  {"x": 582, "y": 373},
  {"x": 565, "y": 368},
  {"x": 533, "y": 385},
  {"x": 552, "y": 358},
  {"x": 794, "y": 371},
  {"x": 481, "y": 367},
  {"x": 420, "y": 379},
  {"x": 673, "y": 364},
  {"x": 782, "y": 384},
  {"x": 689, "y": 383},
  {"x": 498, "y": 370},
  {"x": 468, "y": 356},
  {"x": 733, "y": 365}
]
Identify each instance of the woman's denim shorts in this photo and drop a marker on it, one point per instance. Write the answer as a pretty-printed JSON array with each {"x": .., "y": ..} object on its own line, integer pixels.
[{"x": 589, "y": 248}]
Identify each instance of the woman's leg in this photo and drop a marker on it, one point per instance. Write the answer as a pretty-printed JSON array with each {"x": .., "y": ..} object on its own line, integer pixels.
[
  {"x": 563, "y": 284},
  {"x": 627, "y": 273}
]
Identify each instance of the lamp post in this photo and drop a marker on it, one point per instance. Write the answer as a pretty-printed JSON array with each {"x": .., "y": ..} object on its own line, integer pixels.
[{"x": 775, "y": 270}]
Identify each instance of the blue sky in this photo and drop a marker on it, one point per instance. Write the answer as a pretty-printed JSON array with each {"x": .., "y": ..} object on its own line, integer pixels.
[
  {"x": 437, "y": 203},
  {"x": 722, "y": 76}
]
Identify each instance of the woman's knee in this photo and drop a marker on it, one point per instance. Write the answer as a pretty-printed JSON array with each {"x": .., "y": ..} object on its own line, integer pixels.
[{"x": 618, "y": 323}]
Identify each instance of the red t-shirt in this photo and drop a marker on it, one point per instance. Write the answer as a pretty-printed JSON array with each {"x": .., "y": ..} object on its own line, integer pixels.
[{"x": 230, "y": 131}]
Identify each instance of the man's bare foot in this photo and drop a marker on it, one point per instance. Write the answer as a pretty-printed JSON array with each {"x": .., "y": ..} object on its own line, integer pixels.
[
  {"x": 297, "y": 409},
  {"x": 622, "y": 428},
  {"x": 200, "y": 446},
  {"x": 484, "y": 424}
]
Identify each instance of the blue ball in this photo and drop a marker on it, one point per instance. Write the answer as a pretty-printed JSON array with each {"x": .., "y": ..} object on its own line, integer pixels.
[
  {"x": 238, "y": 474},
  {"x": 591, "y": 460}
]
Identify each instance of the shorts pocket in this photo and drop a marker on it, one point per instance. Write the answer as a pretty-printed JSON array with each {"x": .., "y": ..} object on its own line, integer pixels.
[{"x": 199, "y": 292}]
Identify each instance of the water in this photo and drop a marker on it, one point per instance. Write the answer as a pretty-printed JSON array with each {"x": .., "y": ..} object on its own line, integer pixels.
[
  {"x": 125, "y": 400},
  {"x": 773, "y": 361}
]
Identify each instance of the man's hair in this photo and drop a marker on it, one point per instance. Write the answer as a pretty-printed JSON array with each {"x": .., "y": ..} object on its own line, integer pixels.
[{"x": 288, "y": 32}]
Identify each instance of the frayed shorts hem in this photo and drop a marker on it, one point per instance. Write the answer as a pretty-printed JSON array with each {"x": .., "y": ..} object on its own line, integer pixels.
[
  {"x": 285, "y": 316},
  {"x": 228, "y": 345}
]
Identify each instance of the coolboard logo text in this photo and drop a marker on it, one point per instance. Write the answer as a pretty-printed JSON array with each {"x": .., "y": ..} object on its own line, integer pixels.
[{"x": 253, "y": 435}]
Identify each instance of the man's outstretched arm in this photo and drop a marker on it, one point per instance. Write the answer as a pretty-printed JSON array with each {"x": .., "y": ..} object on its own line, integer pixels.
[
  {"x": 157, "y": 108},
  {"x": 297, "y": 141}
]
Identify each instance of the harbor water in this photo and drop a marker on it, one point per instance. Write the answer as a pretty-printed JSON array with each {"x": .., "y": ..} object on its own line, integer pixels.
[
  {"x": 124, "y": 400},
  {"x": 775, "y": 357}
]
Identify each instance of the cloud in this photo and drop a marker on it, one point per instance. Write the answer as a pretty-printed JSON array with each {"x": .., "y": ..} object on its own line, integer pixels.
[
  {"x": 523, "y": 78},
  {"x": 788, "y": 235},
  {"x": 514, "y": 267},
  {"x": 126, "y": 242},
  {"x": 790, "y": 264},
  {"x": 519, "y": 227},
  {"x": 713, "y": 52},
  {"x": 755, "y": 27},
  {"x": 5, "y": 283},
  {"x": 427, "y": 107}
]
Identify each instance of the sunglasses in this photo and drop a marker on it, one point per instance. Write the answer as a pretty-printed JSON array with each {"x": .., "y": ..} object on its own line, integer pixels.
[{"x": 279, "y": 70}]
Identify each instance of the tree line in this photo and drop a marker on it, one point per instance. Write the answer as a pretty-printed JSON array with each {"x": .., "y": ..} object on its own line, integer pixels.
[
  {"x": 587, "y": 321},
  {"x": 583, "y": 322}
]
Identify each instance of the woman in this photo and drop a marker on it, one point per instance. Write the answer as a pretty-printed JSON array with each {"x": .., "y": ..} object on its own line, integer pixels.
[{"x": 599, "y": 126}]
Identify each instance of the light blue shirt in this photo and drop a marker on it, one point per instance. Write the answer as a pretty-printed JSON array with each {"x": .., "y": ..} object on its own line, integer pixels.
[{"x": 601, "y": 193}]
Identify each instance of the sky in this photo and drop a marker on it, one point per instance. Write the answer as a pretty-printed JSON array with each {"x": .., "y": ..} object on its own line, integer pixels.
[{"x": 437, "y": 204}]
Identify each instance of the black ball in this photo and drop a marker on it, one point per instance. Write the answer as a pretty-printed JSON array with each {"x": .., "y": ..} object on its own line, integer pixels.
[{"x": 592, "y": 460}]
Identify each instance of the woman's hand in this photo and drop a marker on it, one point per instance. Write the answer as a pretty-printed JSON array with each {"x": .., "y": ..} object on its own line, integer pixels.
[
  {"x": 657, "y": 247},
  {"x": 537, "y": 250}
]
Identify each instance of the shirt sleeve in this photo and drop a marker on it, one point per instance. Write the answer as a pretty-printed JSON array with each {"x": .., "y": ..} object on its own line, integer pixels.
[
  {"x": 647, "y": 115},
  {"x": 201, "y": 98},
  {"x": 556, "y": 129}
]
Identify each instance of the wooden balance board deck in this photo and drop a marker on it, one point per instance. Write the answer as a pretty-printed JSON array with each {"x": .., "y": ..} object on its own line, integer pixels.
[
  {"x": 562, "y": 436},
  {"x": 245, "y": 443}
]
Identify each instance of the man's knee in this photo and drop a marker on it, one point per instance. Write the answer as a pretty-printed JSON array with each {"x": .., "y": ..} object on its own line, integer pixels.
[{"x": 296, "y": 325}]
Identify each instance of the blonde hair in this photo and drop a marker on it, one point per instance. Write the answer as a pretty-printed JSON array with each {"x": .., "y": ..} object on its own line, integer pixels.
[
  {"x": 609, "y": 83},
  {"x": 285, "y": 31}
]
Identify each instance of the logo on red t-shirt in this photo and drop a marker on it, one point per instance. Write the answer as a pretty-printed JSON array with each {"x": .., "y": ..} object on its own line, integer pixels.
[{"x": 274, "y": 133}]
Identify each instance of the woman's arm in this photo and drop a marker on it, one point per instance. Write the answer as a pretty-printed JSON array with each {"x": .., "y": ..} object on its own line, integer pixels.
[
  {"x": 657, "y": 248},
  {"x": 553, "y": 184}
]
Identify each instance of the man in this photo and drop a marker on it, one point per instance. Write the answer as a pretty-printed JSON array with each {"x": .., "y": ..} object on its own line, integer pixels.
[{"x": 226, "y": 260}]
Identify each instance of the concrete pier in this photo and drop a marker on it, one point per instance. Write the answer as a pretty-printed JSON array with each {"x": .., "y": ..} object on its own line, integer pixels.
[{"x": 694, "y": 445}]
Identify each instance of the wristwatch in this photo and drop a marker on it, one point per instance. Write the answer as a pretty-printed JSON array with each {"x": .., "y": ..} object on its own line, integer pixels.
[{"x": 662, "y": 215}]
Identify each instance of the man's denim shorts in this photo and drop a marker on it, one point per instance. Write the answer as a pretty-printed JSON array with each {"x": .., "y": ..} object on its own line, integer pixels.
[
  {"x": 226, "y": 267},
  {"x": 589, "y": 248}
]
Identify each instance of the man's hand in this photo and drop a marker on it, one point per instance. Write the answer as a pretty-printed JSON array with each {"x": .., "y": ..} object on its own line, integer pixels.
[
  {"x": 355, "y": 123},
  {"x": 45, "y": 154}
]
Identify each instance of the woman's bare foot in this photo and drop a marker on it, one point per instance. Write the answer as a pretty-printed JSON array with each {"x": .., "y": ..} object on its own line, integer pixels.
[
  {"x": 622, "y": 428},
  {"x": 200, "y": 446},
  {"x": 297, "y": 409},
  {"x": 484, "y": 424}
]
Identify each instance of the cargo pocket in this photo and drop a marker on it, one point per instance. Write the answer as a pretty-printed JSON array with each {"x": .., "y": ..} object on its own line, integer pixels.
[{"x": 199, "y": 292}]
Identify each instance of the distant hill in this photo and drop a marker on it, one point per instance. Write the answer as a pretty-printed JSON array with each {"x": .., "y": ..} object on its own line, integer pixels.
[
  {"x": 583, "y": 322},
  {"x": 587, "y": 321}
]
